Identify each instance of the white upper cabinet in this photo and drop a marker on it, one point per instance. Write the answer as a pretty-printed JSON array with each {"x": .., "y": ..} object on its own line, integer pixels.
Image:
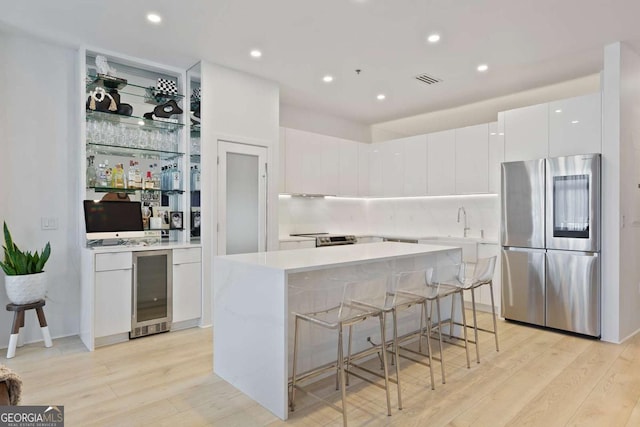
[
  {"x": 309, "y": 163},
  {"x": 364, "y": 152},
  {"x": 348, "y": 157},
  {"x": 283, "y": 162},
  {"x": 526, "y": 133},
  {"x": 321, "y": 164},
  {"x": 472, "y": 159},
  {"x": 575, "y": 126},
  {"x": 375, "y": 170},
  {"x": 415, "y": 165},
  {"x": 496, "y": 155},
  {"x": 329, "y": 175},
  {"x": 441, "y": 152},
  {"x": 392, "y": 167}
]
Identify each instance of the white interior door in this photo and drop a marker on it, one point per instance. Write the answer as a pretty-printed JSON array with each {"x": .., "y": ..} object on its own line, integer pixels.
[{"x": 242, "y": 198}]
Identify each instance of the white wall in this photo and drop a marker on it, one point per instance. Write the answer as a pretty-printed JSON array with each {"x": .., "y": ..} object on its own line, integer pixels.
[
  {"x": 39, "y": 171},
  {"x": 621, "y": 200},
  {"x": 481, "y": 112},
  {"x": 300, "y": 118},
  {"x": 419, "y": 217},
  {"x": 236, "y": 107}
]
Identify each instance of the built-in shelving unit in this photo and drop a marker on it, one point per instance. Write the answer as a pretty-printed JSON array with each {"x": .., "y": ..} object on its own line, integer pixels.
[{"x": 135, "y": 151}]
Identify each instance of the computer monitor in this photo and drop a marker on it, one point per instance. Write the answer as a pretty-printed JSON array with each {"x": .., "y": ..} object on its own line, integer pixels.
[{"x": 113, "y": 219}]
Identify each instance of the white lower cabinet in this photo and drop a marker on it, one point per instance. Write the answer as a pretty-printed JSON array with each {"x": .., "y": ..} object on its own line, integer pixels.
[
  {"x": 187, "y": 284},
  {"x": 296, "y": 244},
  {"x": 112, "y": 294}
]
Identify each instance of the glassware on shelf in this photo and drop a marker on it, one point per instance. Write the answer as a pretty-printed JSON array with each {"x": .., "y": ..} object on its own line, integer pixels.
[{"x": 91, "y": 172}]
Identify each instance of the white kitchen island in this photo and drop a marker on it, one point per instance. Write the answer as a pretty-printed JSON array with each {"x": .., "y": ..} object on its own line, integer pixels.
[{"x": 254, "y": 294}]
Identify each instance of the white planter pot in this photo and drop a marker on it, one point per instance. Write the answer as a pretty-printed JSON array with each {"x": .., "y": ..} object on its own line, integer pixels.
[{"x": 27, "y": 288}]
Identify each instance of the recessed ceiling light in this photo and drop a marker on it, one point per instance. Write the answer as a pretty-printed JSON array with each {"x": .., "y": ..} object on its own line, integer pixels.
[
  {"x": 493, "y": 133},
  {"x": 501, "y": 134},
  {"x": 483, "y": 67},
  {"x": 573, "y": 122},
  {"x": 381, "y": 97},
  {"x": 154, "y": 18},
  {"x": 255, "y": 53},
  {"x": 558, "y": 111},
  {"x": 140, "y": 122},
  {"x": 327, "y": 79},
  {"x": 433, "y": 38}
]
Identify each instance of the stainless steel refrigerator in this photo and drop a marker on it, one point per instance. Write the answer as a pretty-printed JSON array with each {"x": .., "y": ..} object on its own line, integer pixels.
[{"x": 550, "y": 233}]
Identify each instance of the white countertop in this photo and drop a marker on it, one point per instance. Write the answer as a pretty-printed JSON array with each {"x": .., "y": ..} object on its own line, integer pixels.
[
  {"x": 139, "y": 247},
  {"x": 419, "y": 237},
  {"x": 314, "y": 258}
]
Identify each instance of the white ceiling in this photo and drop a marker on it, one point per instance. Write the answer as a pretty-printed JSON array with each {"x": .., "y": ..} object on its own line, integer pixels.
[{"x": 526, "y": 43}]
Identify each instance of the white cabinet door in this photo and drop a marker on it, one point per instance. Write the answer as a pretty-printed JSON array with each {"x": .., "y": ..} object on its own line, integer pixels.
[
  {"x": 364, "y": 152},
  {"x": 329, "y": 174},
  {"x": 575, "y": 126},
  {"x": 297, "y": 244},
  {"x": 472, "y": 159},
  {"x": 112, "y": 302},
  {"x": 187, "y": 291},
  {"x": 303, "y": 159},
  {"x": 282, "y": 178},
  {"x": 496, "y": 156},
  {"x": 415, "y": 165},
  {"x": 526, "y": 133},
  {"x": 441, "y": 153},
  {"x": 348, "y": 157},
  {"x": 392, "y": 168},
  {"x": 375, "y": 170}
]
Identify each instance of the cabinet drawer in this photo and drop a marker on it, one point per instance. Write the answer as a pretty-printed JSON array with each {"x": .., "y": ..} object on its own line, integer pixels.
[
  {"x": 184, "y": 256},
  {"x": 113, "y": 261}
]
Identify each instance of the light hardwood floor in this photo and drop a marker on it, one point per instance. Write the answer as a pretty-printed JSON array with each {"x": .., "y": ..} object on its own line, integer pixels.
[{"x": 539, "y": 378}]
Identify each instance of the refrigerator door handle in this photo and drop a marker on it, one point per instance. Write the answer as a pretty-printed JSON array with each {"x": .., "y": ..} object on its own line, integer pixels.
[
  {"x": 519, "y": 249},
  {"x": 580, "y": 253}
]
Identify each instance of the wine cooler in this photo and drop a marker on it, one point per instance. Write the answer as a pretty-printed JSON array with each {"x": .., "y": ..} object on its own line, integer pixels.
[{"x": 152, "y": 293}]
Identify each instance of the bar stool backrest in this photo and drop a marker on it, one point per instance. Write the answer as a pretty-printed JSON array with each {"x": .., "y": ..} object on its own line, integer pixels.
[
  {"x": 370, "y": 291},
  {"x": 483, "y": 272}
]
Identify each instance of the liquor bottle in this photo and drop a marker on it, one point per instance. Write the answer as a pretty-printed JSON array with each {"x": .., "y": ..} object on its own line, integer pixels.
[
  {"x": 118, "y": 176},
  {"x": 137, "y": 178},
  {"x": 132, "y": 175},
  {"x": 91, "y": 172},
  {"x": 175, "y": 177},
  {"x": 148, "y": 181},
  {"x": 196, "y": 178}
]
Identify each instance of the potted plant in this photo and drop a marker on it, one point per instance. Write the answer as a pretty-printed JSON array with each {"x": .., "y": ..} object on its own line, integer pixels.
[{"x": 25, "y": 279}]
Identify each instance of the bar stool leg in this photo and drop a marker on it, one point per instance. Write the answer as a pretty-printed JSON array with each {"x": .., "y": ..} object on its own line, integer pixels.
[
  {"x": 349, "y": 354},
  {"x": 475, "y": 324},
  {"x": 295, "y": 359},
  {"x": 396, "y": 353},
  {"x": 464, "y": 327},
  {"x": 15, "y": 331},
  {"x": 383, "y": 349},
  {"x": 440, "y": 338},
  {"x": 422, "y": 316},
  {"x": 424, "y": 310},
  {"x": 493, "y": 310},
  {"x": 43, "y": 327},
  {"x": 342, "y": 379}
]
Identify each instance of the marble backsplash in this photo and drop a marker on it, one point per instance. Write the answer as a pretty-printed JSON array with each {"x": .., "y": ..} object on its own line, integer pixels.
[{"x": 419, "y": 216}]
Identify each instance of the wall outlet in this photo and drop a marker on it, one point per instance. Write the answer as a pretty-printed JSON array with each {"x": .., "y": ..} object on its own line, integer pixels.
[{"x": 49, "y": 223}]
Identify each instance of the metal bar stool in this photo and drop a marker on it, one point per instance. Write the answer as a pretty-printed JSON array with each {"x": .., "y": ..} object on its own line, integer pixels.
[
  {"x": 18, "y": 322},
  {"x": 424, "y": 283},
  {"x": 470, "y": 277},
  {"x": 346, "y": 314}
]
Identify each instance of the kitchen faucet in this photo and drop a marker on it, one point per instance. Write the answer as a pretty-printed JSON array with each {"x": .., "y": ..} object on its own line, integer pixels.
[{"x": 464, "y": 213}]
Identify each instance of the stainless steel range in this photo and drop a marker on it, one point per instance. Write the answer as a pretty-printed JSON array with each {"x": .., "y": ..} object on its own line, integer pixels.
[{"x": 326, "y": 239}]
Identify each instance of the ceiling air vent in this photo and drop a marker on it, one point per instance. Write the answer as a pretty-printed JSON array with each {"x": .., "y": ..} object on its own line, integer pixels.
[{"x": 427, "y": 79}]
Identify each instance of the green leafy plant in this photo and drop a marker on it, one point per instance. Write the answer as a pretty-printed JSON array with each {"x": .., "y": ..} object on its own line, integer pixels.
[{"x": 18, "y": 263}]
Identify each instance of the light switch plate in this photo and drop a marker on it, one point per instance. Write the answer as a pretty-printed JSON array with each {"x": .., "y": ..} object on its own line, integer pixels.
[{"x": 49, "y": 223}]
